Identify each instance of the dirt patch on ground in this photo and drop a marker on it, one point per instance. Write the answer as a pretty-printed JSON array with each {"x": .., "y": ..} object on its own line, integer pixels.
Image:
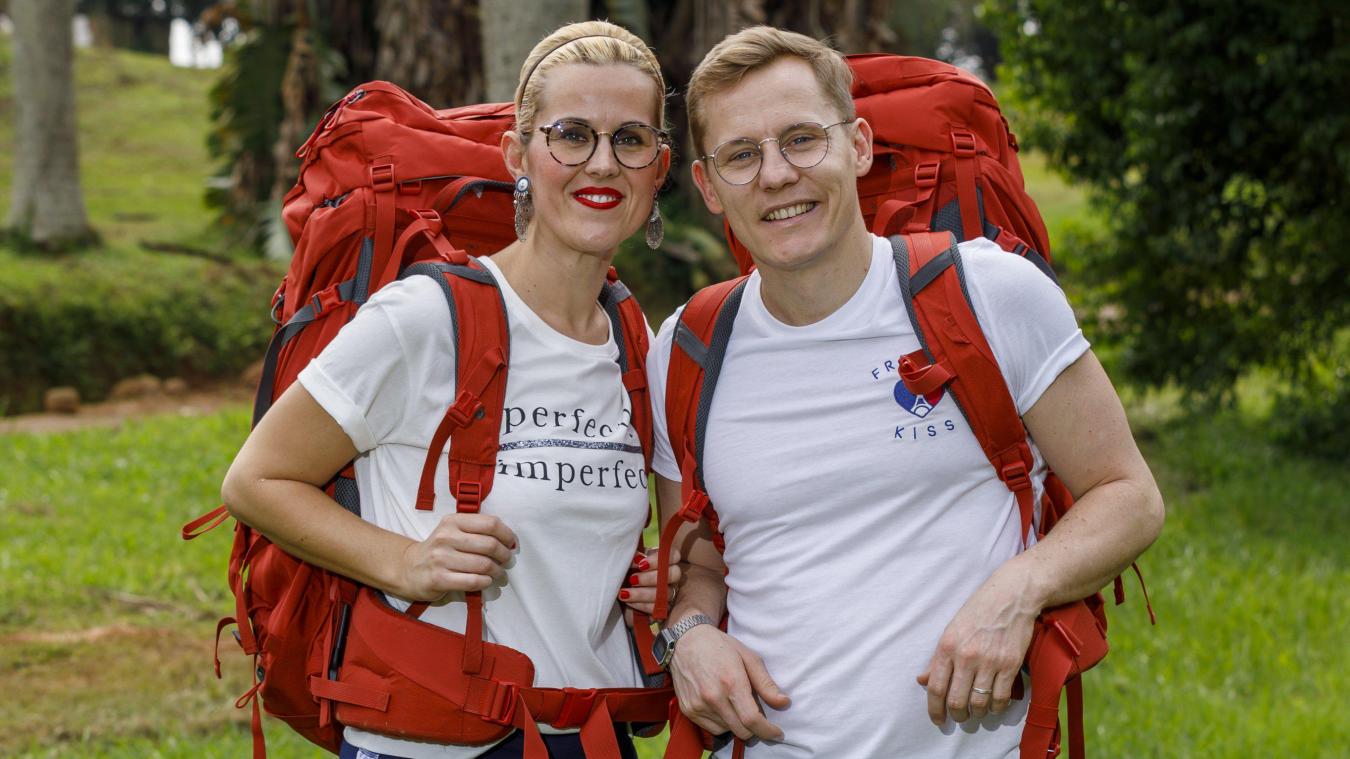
[
  {"x": 115, "y": 682},
  {"x": 197, "y": 402}
]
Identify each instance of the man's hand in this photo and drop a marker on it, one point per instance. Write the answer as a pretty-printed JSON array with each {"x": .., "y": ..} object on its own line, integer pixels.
[
  {"x": 716, "y": 681},
  {"x": 465, "y": 552},
  {"x": 981, "y": 651}
]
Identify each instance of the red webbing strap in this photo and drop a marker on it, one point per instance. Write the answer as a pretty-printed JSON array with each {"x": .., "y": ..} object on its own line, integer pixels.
[
  {"x": 967, "y": 169},
  {"x": 382, "y": 180},
  {"x": 425, "y": 224},
  {"x": 1077, "y": 745},
  {"x": 951, "y": 334},
  {"x": 686, "y": 738},
  {"x": 205, "y": 523},
  {"x": 223, "y": 623},
  {"x": 524, "y": 720},
  {"x": 597, "y": 734},
  {"x": 368, "y": 697},
  {"x": 895, "y": 216}
]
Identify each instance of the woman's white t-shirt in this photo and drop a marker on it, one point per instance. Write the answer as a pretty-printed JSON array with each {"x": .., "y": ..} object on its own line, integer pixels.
[{"x": 570, "y": 480}]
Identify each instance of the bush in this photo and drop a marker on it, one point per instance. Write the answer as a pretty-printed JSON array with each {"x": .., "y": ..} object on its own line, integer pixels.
[{"x": 89, "y": 320}]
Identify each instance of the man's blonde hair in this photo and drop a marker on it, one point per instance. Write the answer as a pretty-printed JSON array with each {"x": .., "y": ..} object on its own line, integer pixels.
[
  {"x": 594, "y": 42},
  {"x": 754, "y": 48}
]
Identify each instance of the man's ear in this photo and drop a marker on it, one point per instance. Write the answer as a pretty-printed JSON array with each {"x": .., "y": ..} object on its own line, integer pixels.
[
  {"x": 705, "y": 186},
  {"x": 862, "y": 146},
  {"x": 513, "y": 151}
]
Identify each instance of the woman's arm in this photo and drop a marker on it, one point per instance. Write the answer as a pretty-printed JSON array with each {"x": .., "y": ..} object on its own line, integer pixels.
[{"x": 275, "y": 486}]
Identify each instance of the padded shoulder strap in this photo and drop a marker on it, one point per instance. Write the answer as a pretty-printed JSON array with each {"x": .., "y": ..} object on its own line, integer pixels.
[
  {"x": 482, "y": 345},
  {"x": 696, "y": 353},
  {"x": 630, "y": 334},
  {"x": 955, "y": 353}
]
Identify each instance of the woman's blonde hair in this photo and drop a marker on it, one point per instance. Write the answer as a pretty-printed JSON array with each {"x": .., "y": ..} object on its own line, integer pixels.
[
  {"x": 594, "y": 42},
  {"x": 754, "y": 48}
]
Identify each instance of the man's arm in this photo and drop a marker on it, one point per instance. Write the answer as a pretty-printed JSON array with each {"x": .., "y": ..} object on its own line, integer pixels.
[
  {"x": 716, "y": 677},
  {"x": 1080, "y": 428}
]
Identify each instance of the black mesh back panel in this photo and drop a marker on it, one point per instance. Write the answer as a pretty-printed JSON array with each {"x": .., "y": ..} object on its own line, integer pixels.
[{"x": 345, "y": 493}]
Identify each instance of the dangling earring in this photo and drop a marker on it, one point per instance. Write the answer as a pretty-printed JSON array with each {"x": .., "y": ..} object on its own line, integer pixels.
[
  {"x": 656, "y": 229},
  {"x": 524, "y": 206}
]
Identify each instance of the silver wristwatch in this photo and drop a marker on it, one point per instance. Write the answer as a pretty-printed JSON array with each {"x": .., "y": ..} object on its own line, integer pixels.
[{"x": 663, "y": 648}]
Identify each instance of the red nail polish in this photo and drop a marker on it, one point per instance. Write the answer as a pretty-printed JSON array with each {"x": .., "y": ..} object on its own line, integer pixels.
[
  {"x": 623, "y": 595},
  {"x": 632, "y": 579},
  {"x": 644, "y": 565}
]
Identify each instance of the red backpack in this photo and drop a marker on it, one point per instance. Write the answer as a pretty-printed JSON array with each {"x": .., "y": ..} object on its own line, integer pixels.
[
  {"x": 946, "y": 170},
  {"x": 385, "y": 185}
]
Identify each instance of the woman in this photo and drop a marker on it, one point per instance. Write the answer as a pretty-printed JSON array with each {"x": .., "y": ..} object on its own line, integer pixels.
[{"x": 554, "y": 539}]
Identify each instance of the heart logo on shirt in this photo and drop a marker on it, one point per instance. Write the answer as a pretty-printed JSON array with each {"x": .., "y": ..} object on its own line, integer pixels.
[{"x": 918, "y": 405}]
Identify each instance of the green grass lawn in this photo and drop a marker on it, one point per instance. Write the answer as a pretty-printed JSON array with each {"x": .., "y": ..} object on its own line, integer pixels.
[
  {"x": 142, "y": 140},
  {"x": 106, "y": 618}
]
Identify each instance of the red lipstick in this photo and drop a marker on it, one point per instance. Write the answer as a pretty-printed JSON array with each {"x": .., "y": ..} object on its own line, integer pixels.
[{"x": 601, "y": 198}]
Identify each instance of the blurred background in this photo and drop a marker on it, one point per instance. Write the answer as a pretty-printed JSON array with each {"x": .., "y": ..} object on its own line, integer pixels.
[{"x": 1190, "y": 157}]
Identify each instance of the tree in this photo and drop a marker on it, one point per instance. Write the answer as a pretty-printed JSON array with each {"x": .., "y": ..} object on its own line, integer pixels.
[
  {"x": 1219, "y": 156},
  {"x": 511, "y": 29},
  {"x": 47, "y": 206}
]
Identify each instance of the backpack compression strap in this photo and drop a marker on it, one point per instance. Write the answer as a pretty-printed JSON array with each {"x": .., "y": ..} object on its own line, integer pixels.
[
  {"x": 696, "y": 353},
  {"x": 1066, "y": 640}
]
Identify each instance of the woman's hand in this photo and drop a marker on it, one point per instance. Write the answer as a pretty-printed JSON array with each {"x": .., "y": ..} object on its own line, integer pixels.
[
  {"x": 639, "y": 591},
  {"x": 465, "y": 552}
]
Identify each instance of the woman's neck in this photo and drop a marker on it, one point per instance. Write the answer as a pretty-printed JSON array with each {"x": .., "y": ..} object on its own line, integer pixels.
[{"x": 561, "y": 286}]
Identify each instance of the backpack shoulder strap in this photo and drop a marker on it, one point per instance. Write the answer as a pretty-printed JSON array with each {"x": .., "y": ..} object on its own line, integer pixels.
[
  {"x": 630, "y": 334},
  {"x": 482, "y": 346},
  {"x": 696, "y": 353},
  {"x": 955, "y": 353}
]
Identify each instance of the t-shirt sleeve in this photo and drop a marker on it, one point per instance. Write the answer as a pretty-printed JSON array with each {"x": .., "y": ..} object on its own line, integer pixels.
[
  {"x": 1026, "y": 318},
  {"x": 658, "y": 364},
  {"x": 370, "y": 377}
]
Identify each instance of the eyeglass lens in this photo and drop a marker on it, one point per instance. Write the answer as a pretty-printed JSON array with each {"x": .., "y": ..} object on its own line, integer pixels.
[
  {"x": 802, "y": 145},
  {"x": 573, "y": 142}
]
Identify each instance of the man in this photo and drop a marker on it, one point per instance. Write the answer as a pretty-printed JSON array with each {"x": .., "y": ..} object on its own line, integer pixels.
[{"x": 880, "y": 574}]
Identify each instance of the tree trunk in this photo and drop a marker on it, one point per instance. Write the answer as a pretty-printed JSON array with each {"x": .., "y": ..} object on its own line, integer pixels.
[
  {"x": 432, "y": 48},
  {"x": 46, "y": 203},
  {"x": 511, "y": 29}
]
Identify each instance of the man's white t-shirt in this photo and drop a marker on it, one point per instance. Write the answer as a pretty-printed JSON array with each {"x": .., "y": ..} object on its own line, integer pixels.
[
  {"x": 570, "y": 478},
  {"x": 858, "y": 518}
]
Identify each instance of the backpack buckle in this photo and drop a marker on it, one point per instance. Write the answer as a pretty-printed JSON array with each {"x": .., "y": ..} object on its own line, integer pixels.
[
  {"x": 501, "y": 707},
  {"x": 963, "y": 143},
  {"x": 382, "y": 177},
  {"x": 926, "y": 174},
  {"x": 576, "y": 707},
  {"x": 692, "y": 508},
  {"x": 1015, "y": 476},
  {"x": 326, "y": 299},
  {"x": 466, "y": 408},
  {"x": 468, "y": 496}
]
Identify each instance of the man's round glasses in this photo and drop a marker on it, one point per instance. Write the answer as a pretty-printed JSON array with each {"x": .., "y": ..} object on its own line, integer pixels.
[
  {"x": 803, "y": 145},
  {"x": 572, "y": 143}
]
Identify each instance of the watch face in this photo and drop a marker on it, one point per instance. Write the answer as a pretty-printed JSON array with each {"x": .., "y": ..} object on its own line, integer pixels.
[{"x": 661, "y": 649}]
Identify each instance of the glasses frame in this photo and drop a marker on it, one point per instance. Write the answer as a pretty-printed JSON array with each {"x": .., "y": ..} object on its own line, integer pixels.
[
  {"x": 662, "y": 138},
  {"x": 711, "y": 158}
]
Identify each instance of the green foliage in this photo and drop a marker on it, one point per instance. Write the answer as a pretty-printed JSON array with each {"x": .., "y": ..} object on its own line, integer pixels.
[
  {"x": 93, "y": 319},
  {"x": 1219, "y": 162},
  {"x": 246, "y": 113}
]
